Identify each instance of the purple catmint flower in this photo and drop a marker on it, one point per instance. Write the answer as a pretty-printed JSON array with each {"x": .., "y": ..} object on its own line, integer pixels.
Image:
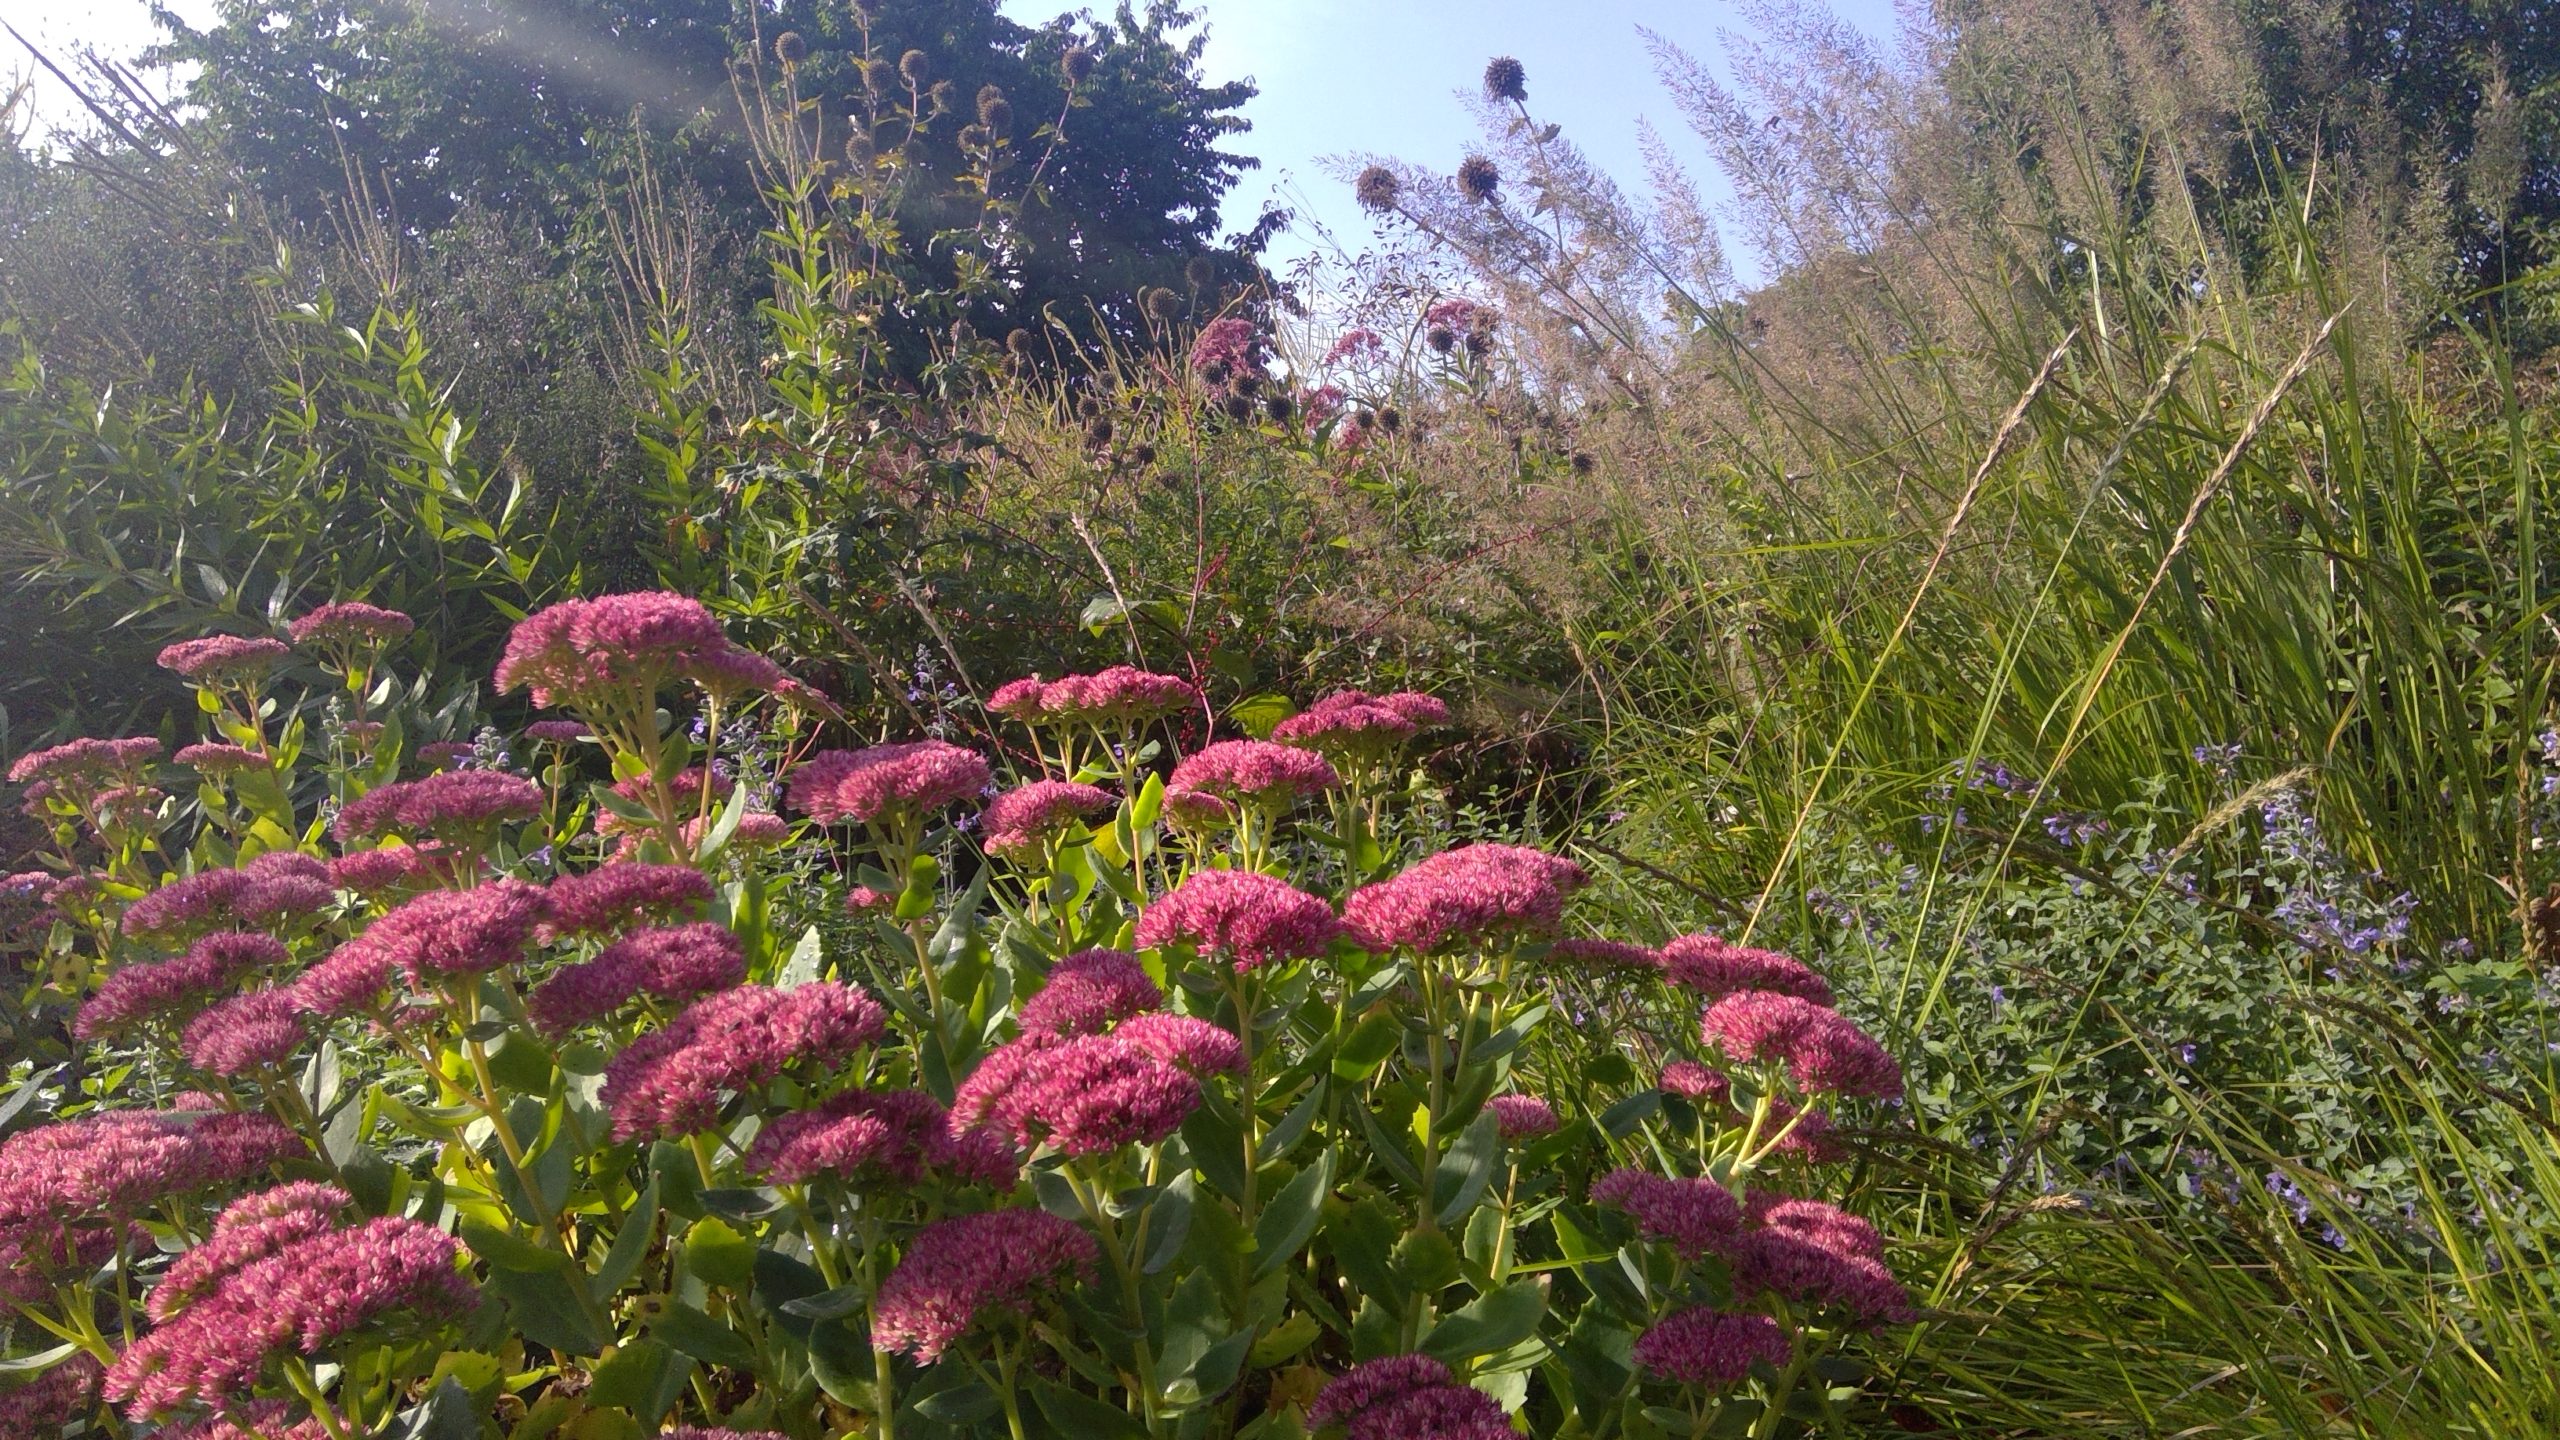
[
  {"x": 1246, "y": 918},
  {"x": 457, "y": 804},
  {"x": 611, "y": 898},
  {"x": 275, "y": 887},
  {"x": 1522, "y": 1117},
  {"x": 1710, "y": 1349},
  {"x": 1716, "y": 967},
  {"x": 914, "y": 778},
  {"x": 1474, "y": 894},
  {"x": 211, "y": 966},
  {"x": 956, "y": 1271},
  {"x": 247, "y": 1032},
  {"x": 668, "y": 1083},
  {"x": 1695, "y": 1216},
  {"x": 1823, "y": 1051},
  {"x": 1021, "y": 820},
  {"x": 1088, "y": 992},
  {"x": 215, "y": 659}
]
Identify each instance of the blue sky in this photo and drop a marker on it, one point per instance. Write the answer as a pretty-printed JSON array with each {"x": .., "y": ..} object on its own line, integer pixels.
[{"x": 1337, "y": 76}]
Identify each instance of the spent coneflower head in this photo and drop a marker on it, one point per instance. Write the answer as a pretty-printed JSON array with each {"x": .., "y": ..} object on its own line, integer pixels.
[{"x": 1377, "y": 189}]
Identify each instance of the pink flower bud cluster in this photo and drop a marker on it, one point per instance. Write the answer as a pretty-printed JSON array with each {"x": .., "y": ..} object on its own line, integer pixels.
[
  {"x": 105, "y": 1168},
  {"x": 1475, "y": 894},
  {"x": 893, "y": 1137},
  {"x": 1408, "y": 1397},
  {"x": 611, "y": 898},
  {"x": 1810, "y": 1253},
  {"x": 248, "y": 1230},
  {"x": 215, "y": 659},
  {"x": 1117, "y": 696},
  {"x": 392, "y": 867},
  {"x": 1822, "y": 1050},
  {"x": 42, "y": 1408},
  {"x": 245, "y": 1033},
  {"x": 1088, "y": 992},
  {"x": 452, "y": 805},
  {"x": 1357, "y": 728},
  {"x": 674, "y": 963},
  {"x": 1522, "y": 1117},
  {"x": 1250, "y": 772},
  {"x": 277, "y": 886},
  {"x": 956, "y": 1271},
  {"x": 1604, "y": 955},
  {"x": 558, "y": 732},
  {"x": 1710, "y": 1349},
  {"x": 1247, "y": 918},
  {"x": 83, "y": 766},
  {"x": 1716, "y": 967},
  {"x": 212, "y": 757},
  {"x": 667, "y": 1083},
  {"x": 350, "y": 623},
  {"x": 1695, "y": 1082},
  {"x": 446, "y": 933},
  {"x": 1693, "y": 1215},
  {"x": 918, "y": 777},
  {"x": 304, "y": 1297},
  {"x": 211, "y": 966},
  {"x": 1021, "y": 820},
  {"x": 613, "y": 647},
  {"x": 1132, "y": 1085}
]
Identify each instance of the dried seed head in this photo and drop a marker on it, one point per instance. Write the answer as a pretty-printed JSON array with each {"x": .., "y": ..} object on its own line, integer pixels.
[
  {"x": 1390, "y": 420},
  {"x": 1161, "y": 303},
  {"x": 1279, "y": 407},
  {"x": 915, "y": 66},
  {"x": 1377, "y": 189},
  {"x": 857, "y": 149},
  {"x": 1582, "y": 462},
  {"x": 1076, "y": 64},
  {"x": 1200, "y": 272},
  {"x": 1505, "y": 80},
  {"x": 1017, "y": 343},
  {"x": 789, "y": 48},
  {"x": 1238, "y": 407},
  {"x": 1143, "y": 453},
  {"x": 1440, "y": 338},
  {"x": 1098, "y": 433},
  {"x": 1479, "y": 178}
]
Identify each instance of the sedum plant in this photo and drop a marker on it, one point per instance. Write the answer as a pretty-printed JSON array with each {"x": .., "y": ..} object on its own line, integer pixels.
[{"x": 714, "y": 1074}]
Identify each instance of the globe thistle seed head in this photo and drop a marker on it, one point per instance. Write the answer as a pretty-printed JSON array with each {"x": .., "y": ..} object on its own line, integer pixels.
[
  {"x": 1479, "y": 178},
  {"x": 994, "y": 111},
  {"x": 1377, "y": 189},
  {"x": 1161, "y": 304},
  {"x": 790, "y": 49},
  {"x": 975, "y": 137},
  {"x": 1505, "y": 80},
  {"x": 1143, "y": 453},
  {"x": 915, "y": 67},
  {"x": 940, "y": 97},
  {"x": 1098, "y": 433},
  {"x": 1440, "y": 338},
  {"x": 1200, "y": 272},
  {"x": 1077, "y": 64},
  {"x": 1479, "y": 344},
  {"x": 1582, "y": 462},
  {"x": 1390, "y": 420},
  {"x": 1238, "y": 407},
  {"x": 1279, "y": 407},
  {"x": 1247, "y": 383},
  {"x": 1017, "y": 342},
  {"x": 1087, "y": 407}
]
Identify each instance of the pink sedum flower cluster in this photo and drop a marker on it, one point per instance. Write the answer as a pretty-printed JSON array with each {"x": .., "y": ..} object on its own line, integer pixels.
[
  {"x": 1805, "y": 1252},
  {"x": 276, "y": 887},
  {"x": 1473, "y": 895},
  {"x": 245, "y": 1033},
  {"x": 1408, "y": 1397},
  {"x": 68, "y": 1189},
  {"x": 885, "y": 782},
  {"x": 451, "y": 805},
  {"x": 1118, "y": 696},
  {"x": 1251, "y": 772},
  {"x": 1022, "y": 820},
  {"x": 1247, "y": 918},
  {"x": 1088, "y": 992},
  {"x": 1710, "y": 1349},
  {"x": 1823, "y": 1051},
  {"x": 672, "y": 963},
  {"x": 1354, "y": 727},
  {"x": 611, "y": 898},
  {"x": 589, "y": 651},
  {"x": 1522, "y": 1117},
  {"x": 211, "y": 966},
  {"x": 667, "y": 1084},
  {"x": 350, "y": 624},
  {"x": 891, "y": 1137},
  {"x": 1715, "y": 968},
  {"x": 225, "y": 659},
  {"x": 956, "y": 1271}
]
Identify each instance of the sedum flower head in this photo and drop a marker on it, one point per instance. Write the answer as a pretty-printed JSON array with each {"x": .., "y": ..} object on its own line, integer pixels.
[
  {"x": 668, "y": 1083},
  {"x": 1253, "y": 772},
  {"x": 956, "y": 1271},
  {"x": 1822, "y": 1050},
  {"x": 1088, "y": 992},
  {"x": 211, "y": 966},
  {"x": 1710, "y": 1349},
  {"x": 350, "y": 624},
  {"x": 610, "y": 650},
  {"x": 1408, "y": 1397},
  {"x": 275, "y": 887},
  {"x": 1474, "y": 894},
  {"x": 610, "y": 898},
  {"x": 913, "y": 778},
  {"x": 247, "y": 1032},
  {"x": 1716, "y": 967},
  {"x": 891, "y": 1137},
  {"x": 1248, "y": 918},
  {"x": 1023, "y": 819},
  {"x": 1695, "y": 1216},
  {"x": 1522, "y": 1117},
  {"x": 216, "y": 659},
  {"x": 452, "y": 805}
]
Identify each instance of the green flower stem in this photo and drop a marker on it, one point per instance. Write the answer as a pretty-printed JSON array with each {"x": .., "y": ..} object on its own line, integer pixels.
[
  {"x": 1141, "y": 1385},
  {"x": 299, "y": 1376},
  {"x": 76, "y": 1327}
]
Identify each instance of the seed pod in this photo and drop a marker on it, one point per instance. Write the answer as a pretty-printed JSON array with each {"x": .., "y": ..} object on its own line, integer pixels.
[
  {"x": 1377, "y": 189},
  {"x": 1200, "y": 272},
  {"x": 1017, "y": 343},
  {"x": 1161, "y": 304}
]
